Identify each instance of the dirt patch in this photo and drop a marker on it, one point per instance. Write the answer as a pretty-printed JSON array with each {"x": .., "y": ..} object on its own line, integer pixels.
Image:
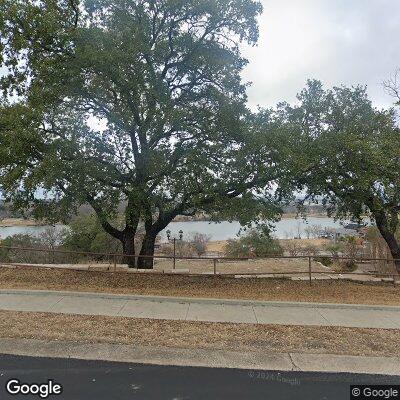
[
  {"x": 217, "y": 246},
  {"x": 302, "y": 243},
  {"x": 207, "y": 335},
  {"x": 198, "y": 286},
  {"x": 259, "y": 265}
]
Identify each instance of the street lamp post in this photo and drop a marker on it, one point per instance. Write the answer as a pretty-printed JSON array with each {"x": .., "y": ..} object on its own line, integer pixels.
[{"x": 174, "y": 241}]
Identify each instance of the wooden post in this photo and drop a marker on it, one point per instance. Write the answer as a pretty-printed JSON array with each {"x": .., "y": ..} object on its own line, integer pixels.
[
  {"x": 388, "y": 269},
  {"x": 309, "y": 269},
  {"x": 115, "y": 263},
  {"x": 387, "y": 261},
  {"x": 215, "y": 266},
  {"x": 174, "y": 253}
]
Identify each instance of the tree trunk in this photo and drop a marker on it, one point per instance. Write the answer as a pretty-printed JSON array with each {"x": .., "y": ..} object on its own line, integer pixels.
[
  {"x": 152, "y": 230},
  {"x": 128, "y": 245},
  {"x": 147, "y": 249},
  {"x": 390, "y": 238}
]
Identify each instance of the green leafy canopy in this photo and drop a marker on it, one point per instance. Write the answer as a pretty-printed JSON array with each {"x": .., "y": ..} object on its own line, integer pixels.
[{"x": 163, "y": 78}]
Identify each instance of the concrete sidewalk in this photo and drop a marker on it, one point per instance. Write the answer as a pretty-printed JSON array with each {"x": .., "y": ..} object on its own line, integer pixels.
[{"x": 195, "y": 309}]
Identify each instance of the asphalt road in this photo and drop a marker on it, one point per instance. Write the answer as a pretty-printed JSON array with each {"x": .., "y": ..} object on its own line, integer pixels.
[{"x": 98, "y": 380}]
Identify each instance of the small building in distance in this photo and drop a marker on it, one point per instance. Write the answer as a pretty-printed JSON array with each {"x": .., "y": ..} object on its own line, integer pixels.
[{"x": 354, "y": 226}]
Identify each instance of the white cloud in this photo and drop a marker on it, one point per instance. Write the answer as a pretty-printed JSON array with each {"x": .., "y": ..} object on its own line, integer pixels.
[{"x": 336, "y": 41}]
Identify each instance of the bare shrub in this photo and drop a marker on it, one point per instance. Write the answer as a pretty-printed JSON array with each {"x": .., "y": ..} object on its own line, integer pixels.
[
  {"x": 293, "y": 248},
  {"x": 199, "y": 242},
  {"x": 22, "y": 256},
  {"x": 345, "y": 266},
  {"x": 352, "y": 247},
  {"x": 310, "y": 250},
  {"x": 316, "y": 230},
  {"x": 182, "y": 249},
  {"x": 335, "y": 249}
]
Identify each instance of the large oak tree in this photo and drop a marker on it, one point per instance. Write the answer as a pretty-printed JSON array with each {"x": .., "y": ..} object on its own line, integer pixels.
[
  {"x": 348, "y": 156},
  {"x": 133, "y": 101}
]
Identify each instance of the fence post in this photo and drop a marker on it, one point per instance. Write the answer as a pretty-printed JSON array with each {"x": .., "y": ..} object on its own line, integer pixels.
[
  {"x": 174, "y": 254},
  {"x": 215, "y": 266},
  {"x": 309, "y": 269},
  {"x": 115, "y": 262},
  {"x": 387, "y": 268}
]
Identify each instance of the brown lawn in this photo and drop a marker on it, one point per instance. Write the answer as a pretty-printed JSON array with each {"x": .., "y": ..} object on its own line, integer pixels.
[
  {"x": 199, "y": 286},
  {"x": 200, "y": 335}
]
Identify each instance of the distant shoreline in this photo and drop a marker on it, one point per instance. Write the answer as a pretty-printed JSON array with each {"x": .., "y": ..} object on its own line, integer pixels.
[
  {"x": 12, "y": 222},
  {"x": 15, "y": 222},
  {"x": 284, "y": 216}
]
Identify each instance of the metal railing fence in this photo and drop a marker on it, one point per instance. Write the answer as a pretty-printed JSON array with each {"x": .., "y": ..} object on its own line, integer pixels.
[{"x": 50, "y": 257}]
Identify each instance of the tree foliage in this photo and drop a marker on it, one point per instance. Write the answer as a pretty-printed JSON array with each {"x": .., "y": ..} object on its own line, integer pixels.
[
  {"x": 134, "y": 101},
  {"x": 349, "y": 155},
  {"x": 86, "y": 235},
  {"x": 254, "y": 243}
]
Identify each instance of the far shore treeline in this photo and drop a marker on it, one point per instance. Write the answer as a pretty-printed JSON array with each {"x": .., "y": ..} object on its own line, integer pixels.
[{"x": 137, "y": 109}]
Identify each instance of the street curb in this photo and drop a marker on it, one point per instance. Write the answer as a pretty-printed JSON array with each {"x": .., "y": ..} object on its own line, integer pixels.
[
  {"x": 203, "y": 357},
  {"x": 201, "y": 300}
]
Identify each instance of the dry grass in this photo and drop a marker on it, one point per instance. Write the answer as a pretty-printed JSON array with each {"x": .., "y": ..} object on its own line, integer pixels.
[
  {"x": 208, "y": 335},
  {"x": 198, "y": 286},
  {"x": 6, "y": 222},
  {"x": 293, "y": 266},
  {"x": 302, "y": 243},
  {"x": 218, "y": 246},
  {"x": 262, "y": 266}
]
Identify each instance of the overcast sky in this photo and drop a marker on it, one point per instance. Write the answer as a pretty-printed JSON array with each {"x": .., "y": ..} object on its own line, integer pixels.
[{"x": 337, "y": 41}]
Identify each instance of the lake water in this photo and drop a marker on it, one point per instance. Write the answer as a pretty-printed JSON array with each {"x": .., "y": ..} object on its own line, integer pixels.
[
  {"x": 14, "y": 230},
  {"x": 287, "y": 228}
]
